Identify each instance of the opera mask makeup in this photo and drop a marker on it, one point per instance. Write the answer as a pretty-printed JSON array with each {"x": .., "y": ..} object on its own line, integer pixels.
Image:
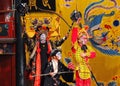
[
  {"x": 43, "y": 36},
  {"x": 59, "y": 56}
]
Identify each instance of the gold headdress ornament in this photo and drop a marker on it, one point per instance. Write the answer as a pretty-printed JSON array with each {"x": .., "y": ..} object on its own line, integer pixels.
[{"x": 42, "y": 29}]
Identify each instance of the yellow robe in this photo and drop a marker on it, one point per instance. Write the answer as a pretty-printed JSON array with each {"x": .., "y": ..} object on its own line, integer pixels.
[{"x": 81, "y": 64}]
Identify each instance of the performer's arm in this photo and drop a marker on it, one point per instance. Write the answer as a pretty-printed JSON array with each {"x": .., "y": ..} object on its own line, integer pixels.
[
  {"x": 48, "y": 68},
  {"x": 68, "y": 77},
  {"x": 33, "y": 52},
  {"x": 61, "y": 41}
]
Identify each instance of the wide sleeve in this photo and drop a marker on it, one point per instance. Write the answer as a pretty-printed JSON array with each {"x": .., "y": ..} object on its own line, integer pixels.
[
  {"x": 91, "y": 52},
  {"x": 68, "y": 73},
  {"x": 48, "y": 68},
  {"x": 60, "y": 42}
]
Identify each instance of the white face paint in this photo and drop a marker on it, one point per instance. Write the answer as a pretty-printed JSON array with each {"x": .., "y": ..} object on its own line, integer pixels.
[
  {"x": 42, "y": 37},
  {"x": 59, "y": 56}
]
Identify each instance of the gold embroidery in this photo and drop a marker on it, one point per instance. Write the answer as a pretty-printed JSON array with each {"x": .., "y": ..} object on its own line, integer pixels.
[
  {"x": 43, "y": 45},
  {"x": 46, "y": 3},
  {"x": 32, "y": 3}
]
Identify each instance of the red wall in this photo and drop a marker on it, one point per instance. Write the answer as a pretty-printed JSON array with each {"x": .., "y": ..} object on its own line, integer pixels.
[
  {"x": 7, "y": 61},
  {"x": 7, "y": 70},
  {"x": 4, "y": 6}
]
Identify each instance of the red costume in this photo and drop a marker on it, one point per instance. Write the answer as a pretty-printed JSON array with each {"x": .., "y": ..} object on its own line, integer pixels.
[
  {"x": 40, "y": 54},
  {"x": 82, "y": 56}
]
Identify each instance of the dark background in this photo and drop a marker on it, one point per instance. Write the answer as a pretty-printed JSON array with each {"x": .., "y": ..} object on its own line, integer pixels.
[{"x": 40, "y": 5}]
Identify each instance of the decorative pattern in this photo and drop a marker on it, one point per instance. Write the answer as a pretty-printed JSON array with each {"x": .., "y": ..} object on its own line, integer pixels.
[
  {"x": 51, "y": 22},
  {"x": 105, "y": 36}
]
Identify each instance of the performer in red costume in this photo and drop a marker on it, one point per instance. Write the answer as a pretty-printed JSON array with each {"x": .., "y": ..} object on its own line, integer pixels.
[
  {"x": 40, "y": 54},
  {"x": 82, "y": 53}
]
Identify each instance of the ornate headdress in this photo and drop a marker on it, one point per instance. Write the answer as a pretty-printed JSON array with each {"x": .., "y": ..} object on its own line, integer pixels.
[
  {"x": 42, "y": 29},
  {"x": 75, "y": 15}
]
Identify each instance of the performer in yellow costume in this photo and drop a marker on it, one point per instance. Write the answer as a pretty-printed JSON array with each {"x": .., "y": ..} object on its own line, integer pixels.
[
  {"x": 82, "y": 56},
  {"x": 82, "y": 53}
]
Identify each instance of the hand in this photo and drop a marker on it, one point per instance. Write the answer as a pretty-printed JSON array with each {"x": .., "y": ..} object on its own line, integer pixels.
[
  {"x": 28, "y": 67},
  {"x": 67, "y": 35},
  {"x": 51, "y": 73},
  {"x": 71, "y": 65},
  {"x": 83, "y": 55}
]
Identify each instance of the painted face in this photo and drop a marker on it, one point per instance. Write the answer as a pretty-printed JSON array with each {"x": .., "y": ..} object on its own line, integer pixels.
[
  {"x": 59, "y": 56},
  {"x": 78, "y": 21},
  {"x": 42, "y": 36}
]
